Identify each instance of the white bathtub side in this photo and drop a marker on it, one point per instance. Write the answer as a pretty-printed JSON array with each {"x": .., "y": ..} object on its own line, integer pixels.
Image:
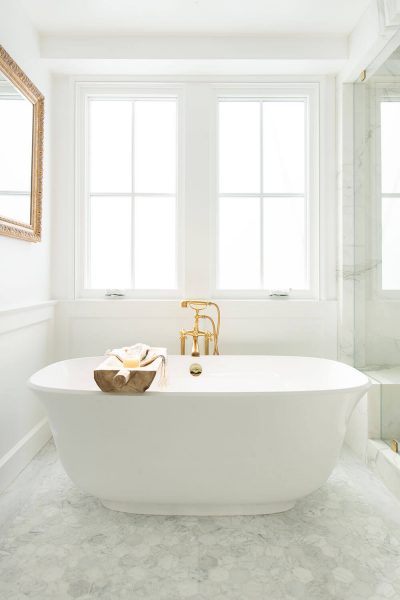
[{"x": 199, "y": 453}]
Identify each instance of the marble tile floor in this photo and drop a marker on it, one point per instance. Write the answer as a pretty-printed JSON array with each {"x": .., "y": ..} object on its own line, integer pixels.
[{"x": 58, "y": 543}]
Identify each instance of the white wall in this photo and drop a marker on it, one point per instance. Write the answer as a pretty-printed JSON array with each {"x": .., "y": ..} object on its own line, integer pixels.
[
  {"x": 280, "y": 327},
  {"x": 25, "y": 333},
  {"x": 89, "y": 327},
  {"x": 24, "y": 276},
  {"x": 26, "y": 345}
]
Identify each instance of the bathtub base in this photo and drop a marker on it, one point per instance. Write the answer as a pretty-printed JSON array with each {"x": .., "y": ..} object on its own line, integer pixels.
[{"x": 200, "y": 510}]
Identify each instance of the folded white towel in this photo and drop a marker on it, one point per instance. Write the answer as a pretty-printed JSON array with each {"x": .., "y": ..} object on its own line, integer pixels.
[
  {"x": 145, "y": 354},
  {"x": 140, "y": 350}
]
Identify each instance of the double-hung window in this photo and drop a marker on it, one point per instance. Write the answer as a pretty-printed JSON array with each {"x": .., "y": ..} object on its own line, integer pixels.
[
  {"x": 388, "y": 191},
  {"x": 231, "y": 169},
  {"x": 267, "y": 193},
  {"x": 129, "y": 193}
]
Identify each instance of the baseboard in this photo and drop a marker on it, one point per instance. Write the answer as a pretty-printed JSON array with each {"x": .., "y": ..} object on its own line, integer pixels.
[{"x": 20, "y": 455}]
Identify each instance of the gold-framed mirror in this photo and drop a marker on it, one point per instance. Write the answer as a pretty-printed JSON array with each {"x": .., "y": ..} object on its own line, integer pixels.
[{"x": 21, "y": 152}]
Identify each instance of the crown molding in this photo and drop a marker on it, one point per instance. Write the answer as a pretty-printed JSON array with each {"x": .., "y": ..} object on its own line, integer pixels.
[{"x": 389, "y": 11}]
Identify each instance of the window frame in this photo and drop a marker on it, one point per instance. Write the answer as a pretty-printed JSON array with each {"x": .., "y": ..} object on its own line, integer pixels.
[
  {"x": 197, "y": 192},
  {"x": 386, "y": 90},
  {"x": 308, "y": 92},
  {"x": 84, "y": 93}
]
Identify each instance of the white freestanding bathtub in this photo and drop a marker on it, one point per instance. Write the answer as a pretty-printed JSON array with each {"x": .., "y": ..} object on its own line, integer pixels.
[{"x": 250, "y": 435}]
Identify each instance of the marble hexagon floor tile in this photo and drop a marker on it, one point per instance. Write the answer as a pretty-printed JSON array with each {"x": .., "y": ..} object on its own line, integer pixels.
[{"x": 58, "y": 543}]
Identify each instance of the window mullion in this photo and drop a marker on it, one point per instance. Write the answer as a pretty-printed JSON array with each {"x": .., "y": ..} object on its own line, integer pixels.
[
  {"x": 199, "y": 127},
  {"x": 265, "y": 195},
  {"x": 133, "y": 198},
  {"x": 127, "y": 194},
  {"x": 261, "y": 198},
  {"x": 87, "y": 276}
]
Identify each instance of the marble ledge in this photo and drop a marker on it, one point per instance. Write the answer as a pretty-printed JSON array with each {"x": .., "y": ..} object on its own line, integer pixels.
[{"x": 386, "y": 464}]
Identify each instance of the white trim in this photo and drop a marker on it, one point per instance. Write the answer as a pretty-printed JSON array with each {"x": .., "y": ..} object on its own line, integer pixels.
[
  {"x": 13, "y": 193},
  {"x": 254, "y": 309},
  {"x": 369, "y": 44},
  {"x": 326, "y": 180},
  {"x": 308, "y": 92},
  {"x": 155, "y": 81},
  {"x": 390, "y": 13},
  {"x": 197, "y": 222},
  {"x": 133, "y": 197},
  {"x": 380, "y": 91},
  {"x": 196, "y": 47},
  {"x": 128, "y": 90},
  {"x": 261, "y": 142},
  {"x": 21, "y": 454},
  {"x": 18, "y": 317}
]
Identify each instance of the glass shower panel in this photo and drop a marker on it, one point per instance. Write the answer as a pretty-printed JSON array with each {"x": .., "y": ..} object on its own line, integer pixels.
[{"x": 376, "y": 248}]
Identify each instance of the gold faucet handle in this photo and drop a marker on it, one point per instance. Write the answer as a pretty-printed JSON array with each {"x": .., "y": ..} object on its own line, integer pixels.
[{"x": 195, "y": 304}]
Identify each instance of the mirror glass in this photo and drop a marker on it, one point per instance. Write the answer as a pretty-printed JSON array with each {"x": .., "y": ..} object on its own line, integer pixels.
[{"x": 16, "y": 118}]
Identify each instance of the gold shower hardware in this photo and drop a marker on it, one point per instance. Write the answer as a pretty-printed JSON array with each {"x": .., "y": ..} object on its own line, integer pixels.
[
  {"x": 363, "y": 75},
  {"x": 196, "y": 332},
  {"x": 394, "y": 445}
]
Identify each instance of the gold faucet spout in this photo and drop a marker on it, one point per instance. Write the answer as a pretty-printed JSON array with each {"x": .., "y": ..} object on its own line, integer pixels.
[{"x": 195, "y": 347}]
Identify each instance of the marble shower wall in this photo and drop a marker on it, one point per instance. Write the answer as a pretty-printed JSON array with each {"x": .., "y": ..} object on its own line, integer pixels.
[
  {"x": 362, "y": 265},
  {"x": 376, "y": 319},
  {"x": 345, "y": 184}
]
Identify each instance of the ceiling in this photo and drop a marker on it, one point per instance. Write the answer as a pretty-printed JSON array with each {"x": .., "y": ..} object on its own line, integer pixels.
[{"x": 195, "y": 17}]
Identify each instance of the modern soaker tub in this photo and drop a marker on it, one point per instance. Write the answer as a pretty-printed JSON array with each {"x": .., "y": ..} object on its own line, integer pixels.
[{"x": 251, "y": 435}]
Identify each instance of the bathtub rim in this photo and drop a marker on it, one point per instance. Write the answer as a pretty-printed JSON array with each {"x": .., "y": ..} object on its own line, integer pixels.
[{"x": 364, "y": 387}]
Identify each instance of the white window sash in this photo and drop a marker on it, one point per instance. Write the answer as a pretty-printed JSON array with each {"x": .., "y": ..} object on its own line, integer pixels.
[
  {"x": 197, "y": 190},
  {"x": 380, "y": 91},
  {"x": 289, "y": 91},
  {"x": 115, "y": 90}
]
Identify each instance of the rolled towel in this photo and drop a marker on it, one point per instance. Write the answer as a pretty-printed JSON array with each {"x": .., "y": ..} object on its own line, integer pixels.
[{"x": 122, "y": 378}]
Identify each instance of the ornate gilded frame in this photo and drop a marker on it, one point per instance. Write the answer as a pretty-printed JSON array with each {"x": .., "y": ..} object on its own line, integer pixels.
[{"x": 27, "y": 231}]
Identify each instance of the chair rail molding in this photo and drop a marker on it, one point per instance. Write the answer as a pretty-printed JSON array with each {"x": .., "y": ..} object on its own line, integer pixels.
[{"x": 18, "y": 317}]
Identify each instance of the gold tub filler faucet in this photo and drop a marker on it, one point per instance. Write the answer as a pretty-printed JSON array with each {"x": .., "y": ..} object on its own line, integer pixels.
[{"x": 196, "y": 332}]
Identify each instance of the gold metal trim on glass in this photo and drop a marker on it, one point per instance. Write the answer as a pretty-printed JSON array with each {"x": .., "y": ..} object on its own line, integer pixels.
[{"x": 27, "y": 231}]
